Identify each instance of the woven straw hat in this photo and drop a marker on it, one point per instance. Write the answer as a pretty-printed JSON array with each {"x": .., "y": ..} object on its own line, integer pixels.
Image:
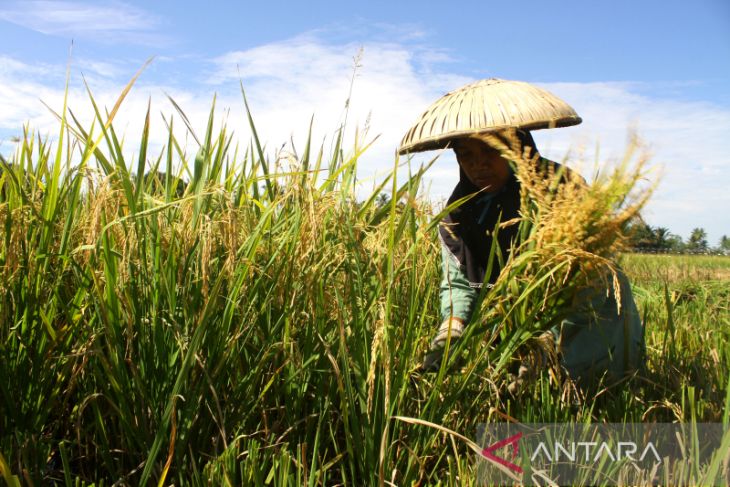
[{"x": 486, "y": 106}]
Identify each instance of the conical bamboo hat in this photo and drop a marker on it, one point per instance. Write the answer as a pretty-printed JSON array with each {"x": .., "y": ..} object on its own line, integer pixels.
[{"x": 486, "y": 106}]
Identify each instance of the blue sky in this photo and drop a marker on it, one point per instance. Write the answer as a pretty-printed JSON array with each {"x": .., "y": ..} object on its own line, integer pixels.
[{"x": 661, "y": 68}]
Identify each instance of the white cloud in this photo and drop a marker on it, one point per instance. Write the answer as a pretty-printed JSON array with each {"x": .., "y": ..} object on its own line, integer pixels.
[
  {"x": 104, "y": 69},
  {"x": 109, "y": 20},
  {"x": 12, "y": 67},
  {"x": 287, "y": 82},
  {"x": 290, "y": 81}
]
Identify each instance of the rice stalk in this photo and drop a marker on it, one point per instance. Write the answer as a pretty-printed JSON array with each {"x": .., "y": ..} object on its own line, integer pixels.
[
  {"x": 263, "y": 327},
  {"x": 570, "y": 232}
]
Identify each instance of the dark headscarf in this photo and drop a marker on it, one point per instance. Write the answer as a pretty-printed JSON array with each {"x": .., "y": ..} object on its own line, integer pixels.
[{"x": 467, "y": 232}]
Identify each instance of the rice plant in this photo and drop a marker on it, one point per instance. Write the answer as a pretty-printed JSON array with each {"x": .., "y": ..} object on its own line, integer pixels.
[{"x": 262, "y": 327}]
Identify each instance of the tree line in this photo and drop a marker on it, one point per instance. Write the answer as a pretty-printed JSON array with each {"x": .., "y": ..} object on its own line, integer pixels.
[{"x": 645, "y": 238}]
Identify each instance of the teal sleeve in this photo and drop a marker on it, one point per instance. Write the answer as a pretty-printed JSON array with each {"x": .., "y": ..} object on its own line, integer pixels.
[{"x": 457, "y": 297}]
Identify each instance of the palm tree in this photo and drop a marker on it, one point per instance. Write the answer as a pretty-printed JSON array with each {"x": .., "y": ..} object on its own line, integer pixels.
[
  {"x": 724, "y": 244},
  {"x": 697, "y": 240},
  {"x": 661, "y": 238}
]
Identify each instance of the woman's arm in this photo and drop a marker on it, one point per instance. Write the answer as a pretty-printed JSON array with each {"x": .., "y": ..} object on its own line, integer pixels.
[
  {"x": 457, "y": 297},
  {"x": 457, "y": 301}
]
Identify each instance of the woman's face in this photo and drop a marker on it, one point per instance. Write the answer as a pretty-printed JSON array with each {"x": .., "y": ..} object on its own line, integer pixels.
[{"x": 484, "y": 166}]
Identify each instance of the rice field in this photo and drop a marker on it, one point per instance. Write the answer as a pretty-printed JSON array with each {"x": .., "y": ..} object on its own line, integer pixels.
[{"x": 264, "y": 327}]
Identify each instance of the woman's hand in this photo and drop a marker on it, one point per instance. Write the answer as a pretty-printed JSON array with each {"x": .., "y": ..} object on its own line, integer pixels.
[{"x": 451, "y": 328}]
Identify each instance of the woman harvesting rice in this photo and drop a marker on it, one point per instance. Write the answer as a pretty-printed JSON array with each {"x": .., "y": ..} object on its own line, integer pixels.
[{"x": 601, "y": 333}]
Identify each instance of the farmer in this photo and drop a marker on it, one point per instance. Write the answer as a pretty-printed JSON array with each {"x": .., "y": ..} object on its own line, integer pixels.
[{"x": 589, "y": 344}]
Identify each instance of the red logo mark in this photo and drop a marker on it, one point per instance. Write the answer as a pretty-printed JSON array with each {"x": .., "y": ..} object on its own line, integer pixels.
[{"x": 512, "y": 440}]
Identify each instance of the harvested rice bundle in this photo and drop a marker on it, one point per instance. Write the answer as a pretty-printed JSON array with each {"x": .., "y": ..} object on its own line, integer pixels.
[{"x": 560, "y": 275}]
